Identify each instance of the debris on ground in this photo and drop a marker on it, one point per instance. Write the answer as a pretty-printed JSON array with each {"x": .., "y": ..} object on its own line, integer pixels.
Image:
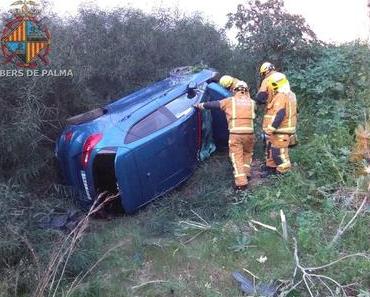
[
  {"x": 261, "y": 259},
  {"x": 65, "y": 220},
  {"x": 250, "y": 287}
]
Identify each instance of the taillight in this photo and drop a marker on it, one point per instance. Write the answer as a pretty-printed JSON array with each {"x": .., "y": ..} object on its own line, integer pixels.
[
  {"x": 88, "y": 146},
  {"x": 68, "y": 135}
]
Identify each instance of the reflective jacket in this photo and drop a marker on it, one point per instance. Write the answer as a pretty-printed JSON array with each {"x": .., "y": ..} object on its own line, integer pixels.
[
  {"x": 240, "y": 113},
  {"x": 281, "y": 113},
  {"x": 264, "y": 95}
]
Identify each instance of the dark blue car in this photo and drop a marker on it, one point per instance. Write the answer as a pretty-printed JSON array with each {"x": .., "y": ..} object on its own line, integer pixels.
[{"x": 144, "y": 144}]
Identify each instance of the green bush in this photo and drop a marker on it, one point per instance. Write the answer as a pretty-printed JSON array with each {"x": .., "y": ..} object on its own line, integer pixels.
[
  {"x": 340, "y": 73},
  {"x": 111, "y": 54}
]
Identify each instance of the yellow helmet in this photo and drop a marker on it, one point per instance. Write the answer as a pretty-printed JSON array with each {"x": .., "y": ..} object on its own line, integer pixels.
[
  {"x": 266, "y": 67},
  {"x": 241, "y": 86},
  {"x": 226, "y": 81},
  {"x": 278, "y": 82}
]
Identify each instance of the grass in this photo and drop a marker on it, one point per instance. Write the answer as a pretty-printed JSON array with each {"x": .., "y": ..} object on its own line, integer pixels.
[
  {"x": 189, "y": 242},
  {"x": 156, "y": 258}
]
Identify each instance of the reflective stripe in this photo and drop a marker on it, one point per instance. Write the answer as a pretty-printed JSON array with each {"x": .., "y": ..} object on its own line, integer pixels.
[
  {"x": 253, "y": 110},
  {"x": 241, "y": 130},
  {"x": 289, "y": 130},
  {"x": 239, "y": 175},
  {"x": 234, "y": 115},
  {"x": 234, "y": 164},
  {"x": 286, "y": 162},
  {"x": 282, "y": 156},
  {"x": 253, "y": 113},
  {"x": 285, "y": 165},
  {"x": 246, "y": 165},
  {"x": 290, "y": 114},
  {"x": 84, "y": 181},
  {"x": 233, "y": 108}
]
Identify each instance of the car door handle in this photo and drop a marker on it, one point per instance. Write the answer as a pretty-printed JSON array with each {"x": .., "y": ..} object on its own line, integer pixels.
[{"x": 148, "y": 174}]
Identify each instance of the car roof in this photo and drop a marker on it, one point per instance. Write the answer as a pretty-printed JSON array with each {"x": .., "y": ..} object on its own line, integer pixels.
[
  {"x": 130, "y": 109},
  {"x": 175, "y": 84}
]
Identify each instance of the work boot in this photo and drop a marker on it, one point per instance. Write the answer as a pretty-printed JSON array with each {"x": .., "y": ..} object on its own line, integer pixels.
[
  {"x": 237, "y": 196},
  {"x": 267, "y": 171},
  {"x": 240, "y": 188}
]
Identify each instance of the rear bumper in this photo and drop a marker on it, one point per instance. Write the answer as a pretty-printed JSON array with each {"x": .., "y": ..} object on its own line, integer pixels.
[{"x": 80, "y": 179}]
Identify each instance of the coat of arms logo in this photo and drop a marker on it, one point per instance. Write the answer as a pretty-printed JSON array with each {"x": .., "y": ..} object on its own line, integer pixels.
[{"x": 25, "y": 40}]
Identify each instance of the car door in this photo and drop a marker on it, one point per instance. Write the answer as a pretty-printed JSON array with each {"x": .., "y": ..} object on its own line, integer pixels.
[
  {"x": 164, "y": 147},
  {"x": 219, "y": 124},
  {"x": 187, "y": 131}
]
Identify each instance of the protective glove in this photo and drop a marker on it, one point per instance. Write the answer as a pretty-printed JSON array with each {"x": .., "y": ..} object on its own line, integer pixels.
[
  {"x": 199, "y": 106},
  {"x": 270, "y": 130}
]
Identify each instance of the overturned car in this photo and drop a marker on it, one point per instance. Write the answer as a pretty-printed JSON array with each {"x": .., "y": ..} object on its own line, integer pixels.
[{"x": 145, "y": 144}]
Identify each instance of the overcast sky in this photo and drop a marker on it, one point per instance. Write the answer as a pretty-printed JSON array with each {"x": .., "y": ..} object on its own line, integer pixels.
[{"x": 332, "y": 20}]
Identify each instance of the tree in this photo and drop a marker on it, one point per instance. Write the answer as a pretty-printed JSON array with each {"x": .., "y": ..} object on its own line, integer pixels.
[
  {"x": 268, "y": 32},
  {"x": 111, "y": 54}
]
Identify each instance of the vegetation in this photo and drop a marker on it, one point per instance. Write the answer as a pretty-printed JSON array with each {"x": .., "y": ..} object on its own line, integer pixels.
[
  {"x": 188, "y": 243},
  {"x": 268, "y": 32}
]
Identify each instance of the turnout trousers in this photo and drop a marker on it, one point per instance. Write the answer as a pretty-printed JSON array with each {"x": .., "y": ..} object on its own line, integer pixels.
[
  {"x": 241, "y": 153},
  {"x": 277, "y": 152}
]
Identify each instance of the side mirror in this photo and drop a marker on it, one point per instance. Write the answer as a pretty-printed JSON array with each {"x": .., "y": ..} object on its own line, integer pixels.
[{"x": 191, "y": 89}]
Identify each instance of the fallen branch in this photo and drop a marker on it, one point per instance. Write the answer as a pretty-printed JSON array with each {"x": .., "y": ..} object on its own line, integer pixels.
[
  {"x": 194, "y": 237},
  {"x": 252, "y": 274},
  {"x": 203, "y": 220},
  {"x": 308, "y": 278},
  {"x": 338, "y": 260},
  {"x": 195, "y": 225},
  {"x": 342, "y": 229},
  {"x": 202, "y": 226},
  {"x": 300, "y": 267},
  {"x": 148, "y": 283},
  {"x": 304, "y": 275},
  {"x": 272, "y": 228},
  {"x": 284, "y": 225}
]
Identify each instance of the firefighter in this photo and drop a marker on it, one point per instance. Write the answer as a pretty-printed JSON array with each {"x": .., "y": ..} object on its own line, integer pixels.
[
  {"x": 240, "y": 113},
  {"x": 279, "y": 123},
  {"x": 264, "y": 96},
  {"x": 266, "y": 70},
  {"x": 228, "y": 82}
]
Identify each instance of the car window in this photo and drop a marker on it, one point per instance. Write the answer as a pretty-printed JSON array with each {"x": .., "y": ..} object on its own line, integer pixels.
[
  {"x": 182, "y": 105},
  {"x": 153, "y": 122}
]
